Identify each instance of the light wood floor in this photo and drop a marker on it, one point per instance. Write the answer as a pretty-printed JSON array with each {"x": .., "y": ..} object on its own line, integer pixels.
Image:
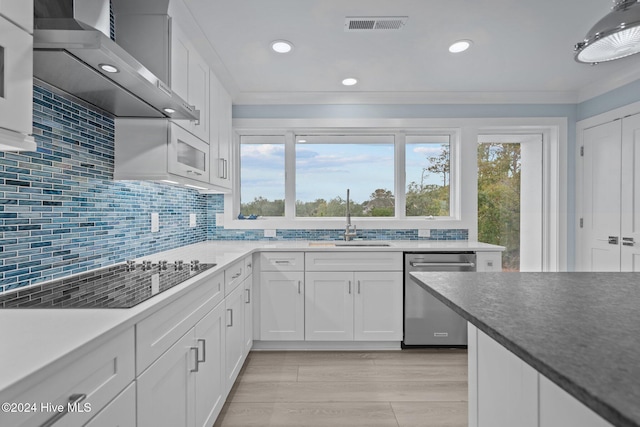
[{"x": 421, "y": 388}]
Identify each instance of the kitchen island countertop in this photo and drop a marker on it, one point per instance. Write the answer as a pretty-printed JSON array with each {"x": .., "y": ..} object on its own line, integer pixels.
[{"x": 580, "y": 330}]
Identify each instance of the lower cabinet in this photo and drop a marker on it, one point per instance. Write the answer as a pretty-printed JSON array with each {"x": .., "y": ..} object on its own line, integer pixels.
[
  {"x": 121, "y": 412},
  {"x": 361, "y": 306},
  {"x": 234, "y": 336},
  {"x": 504, "y": 391},
  {"x": 282, "y": 305},
  {"x": 248, "y": 314},
  {"x": 186, "y": 385}
]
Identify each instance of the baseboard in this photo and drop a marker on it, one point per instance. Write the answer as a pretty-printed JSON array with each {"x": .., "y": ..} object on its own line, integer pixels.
[{"x": 326, "y": 345}]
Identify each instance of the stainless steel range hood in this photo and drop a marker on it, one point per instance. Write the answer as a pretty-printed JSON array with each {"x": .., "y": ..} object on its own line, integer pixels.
[{"x": 69, "y": 54}]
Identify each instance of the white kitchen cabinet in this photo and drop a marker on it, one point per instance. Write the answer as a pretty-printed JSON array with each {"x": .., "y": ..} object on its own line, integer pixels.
[
  {"x": 20, "y": 12},
  {"x": 248, "y": 307},
  {"x": 166, "y": 391},
  {"x": 234, "y": 336},
  {"x": 121, "y": 412},
  {"x": 16, "y": 86},
  {"x": 328, "y": 314},
  {"x": 282, "y": 305},
  {"x": 210, "y": 380},
  {"x": 220, "y": 133},
  {"x": 99, "y": 374},
  {"x": 378, "y": 307},
  {"x": 488, "y": 261},
  {"x": 361, "y": 306},
  {"x": 234, "y": 275},
  {"x": 190, "y": 80}
]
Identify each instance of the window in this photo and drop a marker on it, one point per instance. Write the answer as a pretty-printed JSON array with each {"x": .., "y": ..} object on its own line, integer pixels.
[
  {"x": 328, "y": 165},
  {"x": 427, "y": 175},
  {"x": 304, "y": 176},
  {"x": 262, "y": 190}
]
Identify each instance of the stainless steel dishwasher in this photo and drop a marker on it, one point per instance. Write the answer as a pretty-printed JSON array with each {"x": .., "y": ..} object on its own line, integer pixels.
[{"x": 427, "y": 321}]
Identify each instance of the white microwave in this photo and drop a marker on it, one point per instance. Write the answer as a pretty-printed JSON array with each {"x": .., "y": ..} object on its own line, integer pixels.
[{"x": 188, "y": 155}]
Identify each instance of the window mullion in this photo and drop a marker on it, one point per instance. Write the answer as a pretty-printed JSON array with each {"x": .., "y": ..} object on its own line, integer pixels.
[
  {"x": 290, "y": 176},
  {"x": 400, "y": 176}
]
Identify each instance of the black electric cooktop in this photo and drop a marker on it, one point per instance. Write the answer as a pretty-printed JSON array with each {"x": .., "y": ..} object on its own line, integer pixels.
[{"x": 120, "y": 286}]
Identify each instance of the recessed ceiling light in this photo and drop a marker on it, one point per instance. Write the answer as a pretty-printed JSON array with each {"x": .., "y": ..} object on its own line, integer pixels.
[
  {"x": 169, "y": 110},
  {"x": 350, "y": 81},
  {"x": 109, "y": 68},
  {"x": 282, "y": 46},
  {"x": 460, "y": 46}
]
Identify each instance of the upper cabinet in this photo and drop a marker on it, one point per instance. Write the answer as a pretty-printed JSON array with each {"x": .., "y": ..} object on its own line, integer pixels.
[
  {"x": 220, "y": 134},
  {"x": 16, "y": 75},
  {"x": 190, "y": 80},
  {"x": 20, "y": 12}
]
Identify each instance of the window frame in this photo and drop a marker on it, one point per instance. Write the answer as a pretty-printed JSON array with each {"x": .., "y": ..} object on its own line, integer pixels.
[{"x": 399, "y": 221}]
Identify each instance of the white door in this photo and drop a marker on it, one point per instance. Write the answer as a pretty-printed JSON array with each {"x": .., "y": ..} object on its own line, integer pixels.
[
  {"x": 600, "y": 249},
  {"x": 282, "y": 306},
  {"x": 210, "y": 378},
  {"x": 169, "y": 377},
  {"x": 234, "y": 339},
  {"x": 378, "y": 306},
  {"x": 329, "y": 306},
  {"x": 630, "y": 219}
]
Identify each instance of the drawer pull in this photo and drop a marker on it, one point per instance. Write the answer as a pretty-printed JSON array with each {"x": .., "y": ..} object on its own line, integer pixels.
[
  {"x": 299, "y": 283},
  {"x": 230, "y": 311},
  {"x": 280, "y": 261},
  {"x": 349, "y": 286},
  {"x": 74, "y": 399},
  {"x": 204, "y": 349},
  {"x": 358, "y": 286},
  {"x": 197, "y": 359},
  {"x": 248, "y": 301},
  {"x": 235, "y": 276}
]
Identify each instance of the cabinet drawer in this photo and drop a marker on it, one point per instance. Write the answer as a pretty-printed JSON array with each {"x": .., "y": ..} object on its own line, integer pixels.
[
  {"x": 120, "y": 412},
  {"x": 158, "y": 332},
  {"x": 99, "y": 375},
  {"x": 353, "y": 261},
  {"x": 233, "y": 276},
  {"x": 282, "y": 261}
]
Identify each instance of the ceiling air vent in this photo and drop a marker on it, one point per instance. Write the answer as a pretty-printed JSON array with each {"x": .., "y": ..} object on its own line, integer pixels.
[{"x": 374, "y": 23}]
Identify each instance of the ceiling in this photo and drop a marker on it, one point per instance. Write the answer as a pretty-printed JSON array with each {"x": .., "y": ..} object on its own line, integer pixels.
[{"x": 522, "y": 51}]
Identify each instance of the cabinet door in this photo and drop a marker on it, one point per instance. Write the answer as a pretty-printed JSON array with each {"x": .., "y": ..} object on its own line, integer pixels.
[
  {"x": 234, "y": 336},
  {"x": 16, "y": 78},
  {"x": 199, "y": 94},
  {"x": 630, "y": 233},
  {"x": 210, "y": 378},
  {"x": 378, "y": 306},
  {"x": 19, "y": 12},
  {"x": 601, "y": 198},
  {"x": 121, "y": 412},
  {"x": 220, "y": 134},
  {"x": 329, "y": 306},
  {"x": 188, "y": 155},
  {"x": 282, "y": 306},
  {"x": 248, "y": 314},
  {"x": 165, "y": 395},
  {"x": 179, "y": 61}
]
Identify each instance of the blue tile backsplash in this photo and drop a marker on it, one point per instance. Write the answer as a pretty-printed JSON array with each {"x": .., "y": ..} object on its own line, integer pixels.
[{"x": 61, "y": 212}]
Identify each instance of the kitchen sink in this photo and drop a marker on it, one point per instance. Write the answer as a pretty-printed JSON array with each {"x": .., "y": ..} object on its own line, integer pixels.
[{"x": 343, "y": 244}]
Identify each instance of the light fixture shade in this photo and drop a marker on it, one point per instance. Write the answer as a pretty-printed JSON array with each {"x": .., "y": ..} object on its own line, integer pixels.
[{"x": 613, "y": 37}]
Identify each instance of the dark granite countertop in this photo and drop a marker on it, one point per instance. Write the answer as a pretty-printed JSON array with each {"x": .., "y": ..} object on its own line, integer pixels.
[{"x": 580, "y": 330}]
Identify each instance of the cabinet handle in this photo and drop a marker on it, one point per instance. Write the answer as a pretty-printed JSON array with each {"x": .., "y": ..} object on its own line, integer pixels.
[
  {"x": 226, "y": 169},
  {"x": 196, "y": 359},
  {"x": 613, "y": 240},
  {"x": 230, "y": 311},
  {"x": 204, "y": 349},
  {"x": 299, "y": 283},
  {"x": 280, "y": 261},
  {"x": 349, "y": 286},
  {"x": 235, "y": 276},
  {"x": 221, "y": 168},
  {"x": 628, "y": 241},
  {"x": 248, "y": 301},
  {"x": 74, "y": 399},
  {"x": 358, "y": 286}
]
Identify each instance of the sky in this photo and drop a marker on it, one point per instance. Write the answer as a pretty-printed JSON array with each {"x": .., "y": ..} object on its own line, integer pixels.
[{"x": 327, "y": 170}]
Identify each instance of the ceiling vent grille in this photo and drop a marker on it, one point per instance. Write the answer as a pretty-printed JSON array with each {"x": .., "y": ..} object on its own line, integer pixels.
[{"x": 374, "y": 23}]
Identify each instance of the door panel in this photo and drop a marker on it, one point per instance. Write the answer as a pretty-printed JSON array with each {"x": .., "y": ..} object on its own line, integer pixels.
[
  {"x": 601, "y": 197},
  {"x": 630, "y": 217},
  {"x": 329, "y": 306}
]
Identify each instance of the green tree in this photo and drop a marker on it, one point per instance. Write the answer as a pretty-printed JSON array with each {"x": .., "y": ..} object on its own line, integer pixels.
[{"x": 424, "y": 199}]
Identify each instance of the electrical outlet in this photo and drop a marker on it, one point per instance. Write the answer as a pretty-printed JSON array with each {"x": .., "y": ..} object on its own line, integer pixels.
[
  {"x": 155, "y": 222},
  {"x": 269, "y": 233},
  {"x": 219, "y": 220},
  {"x": 424, "y": 233},
  {"x": 192, "y": 220}
]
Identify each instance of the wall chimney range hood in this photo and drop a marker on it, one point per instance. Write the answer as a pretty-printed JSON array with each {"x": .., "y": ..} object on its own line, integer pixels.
[{"x": 70, "y": 53}]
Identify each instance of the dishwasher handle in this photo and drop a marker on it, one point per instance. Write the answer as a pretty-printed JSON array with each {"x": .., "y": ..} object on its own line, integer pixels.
[{"x": 442, "y": 264}]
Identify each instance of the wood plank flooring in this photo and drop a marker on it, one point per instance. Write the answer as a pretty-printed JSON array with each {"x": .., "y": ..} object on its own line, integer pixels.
[{"x": 408, "y": 388}]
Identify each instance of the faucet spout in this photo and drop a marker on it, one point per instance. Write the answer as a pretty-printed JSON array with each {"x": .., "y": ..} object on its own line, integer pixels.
[{"x": 349, "y": 233}]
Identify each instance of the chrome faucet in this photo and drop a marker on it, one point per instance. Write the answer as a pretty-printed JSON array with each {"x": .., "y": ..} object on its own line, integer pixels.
[{"x": 348, "y": 232}]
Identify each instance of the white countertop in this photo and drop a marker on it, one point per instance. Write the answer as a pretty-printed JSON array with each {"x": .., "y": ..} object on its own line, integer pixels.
[{"x": 41, "y": 341}]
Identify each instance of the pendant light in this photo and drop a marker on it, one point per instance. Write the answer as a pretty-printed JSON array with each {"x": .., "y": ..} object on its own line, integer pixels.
[{"x": 613, "y": 37}]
